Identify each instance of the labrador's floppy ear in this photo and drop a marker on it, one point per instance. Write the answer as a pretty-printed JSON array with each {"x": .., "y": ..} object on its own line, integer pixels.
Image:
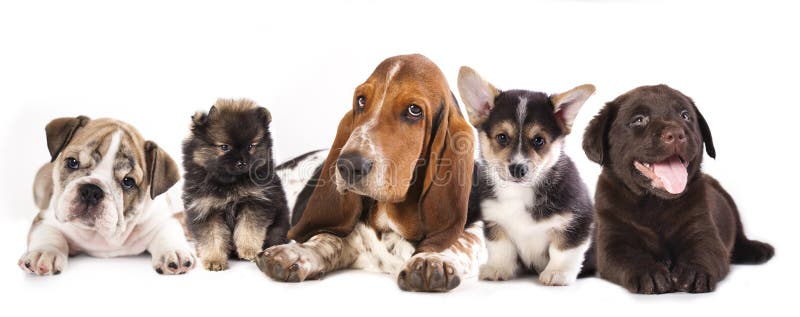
[
  {"x": 327, "y": 210},
  {"x": 477, "y": 93},
  {"x": 705, "y": 131},
  {"x": 60, "y": 131},
  {"x": 567, "y": 104},
  {"x": 448, "y": 179},
  {"x": 161, "y": 169},
  {"x": 595, "y": 139}
]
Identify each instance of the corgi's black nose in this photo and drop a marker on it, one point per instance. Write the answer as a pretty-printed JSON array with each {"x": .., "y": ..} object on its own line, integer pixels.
[
  {"x": 518, "y": 170},
  {"x": 91, "y": 195},
  {"x": 352, "y": 167}
]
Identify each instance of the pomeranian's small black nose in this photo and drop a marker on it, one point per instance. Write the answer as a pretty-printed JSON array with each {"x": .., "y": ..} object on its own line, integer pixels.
[
  {"x": 241, "y": 164},
  {"x": 352, "y": 166},
  {"x": 90, "y": 194},
  {"x": 518, "y": 170}
]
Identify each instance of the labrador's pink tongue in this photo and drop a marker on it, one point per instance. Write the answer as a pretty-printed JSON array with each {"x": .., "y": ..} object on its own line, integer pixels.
[{"x": 672, "y": 173}]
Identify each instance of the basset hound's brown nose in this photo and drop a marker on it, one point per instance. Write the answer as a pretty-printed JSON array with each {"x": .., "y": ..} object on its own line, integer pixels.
[
  {"x": 353, "y": 166},
  {"x": 672, "y": 134}
]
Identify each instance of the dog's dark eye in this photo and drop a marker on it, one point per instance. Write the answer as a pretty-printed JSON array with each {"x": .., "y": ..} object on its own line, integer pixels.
[
  {"x": 72, "y": 163},
  {"x": 414, "y": 111},
  {"x": 502, "y": 138},
  {"x": 361, "y": 101},
  {"x": 685, "y": 115},
  {"x": 251, "y": 146},
  {"x": 224, "y": 147},
  {"x": 639, "y": 120},
  {"x": 128, "y": 183},
  {"x": 538, "y": 142}
]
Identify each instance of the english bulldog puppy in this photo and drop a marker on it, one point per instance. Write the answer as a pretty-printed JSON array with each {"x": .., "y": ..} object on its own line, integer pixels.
[{"x": 101, "y": 194}]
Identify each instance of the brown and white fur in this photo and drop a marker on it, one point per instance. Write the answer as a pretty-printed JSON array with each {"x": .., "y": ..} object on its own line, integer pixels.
[
  {"x": 392, "y": 194},
  {"x": 536, "y": 207},
  {"x": 101, "y": 194}
]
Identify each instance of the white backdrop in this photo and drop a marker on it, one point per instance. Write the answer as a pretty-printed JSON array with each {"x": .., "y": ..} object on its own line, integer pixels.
[{"x": 154, "y": 63}]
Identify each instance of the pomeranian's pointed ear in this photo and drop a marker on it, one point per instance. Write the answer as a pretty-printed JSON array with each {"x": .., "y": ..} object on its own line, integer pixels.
[
  {"x": 266, "y": 117},
  {"x": 200, "y": 118},
  {"x": 567, "y": 104},
  {"x": 477, "y": 94}
]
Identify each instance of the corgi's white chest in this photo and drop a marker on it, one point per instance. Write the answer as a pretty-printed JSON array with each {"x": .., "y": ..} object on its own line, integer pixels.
[{"x": 510, "y": 210}]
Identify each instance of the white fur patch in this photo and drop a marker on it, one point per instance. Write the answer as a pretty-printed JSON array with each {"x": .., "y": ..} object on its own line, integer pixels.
[{"x": 531, "y": 238}]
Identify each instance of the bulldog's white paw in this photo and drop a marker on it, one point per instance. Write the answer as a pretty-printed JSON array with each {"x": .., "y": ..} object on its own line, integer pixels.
[
  {"x": 557, "y": 278},
  {"x": 43, "y": 262},
  {"x": 177, "y": 261},
  {"x": 493, "y": 273}
]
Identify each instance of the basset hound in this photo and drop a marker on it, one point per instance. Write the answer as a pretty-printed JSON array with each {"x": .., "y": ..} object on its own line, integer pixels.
[{"x": 392, "y": 194}]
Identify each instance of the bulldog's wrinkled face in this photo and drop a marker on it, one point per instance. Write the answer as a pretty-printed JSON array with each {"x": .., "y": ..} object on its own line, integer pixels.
[
  {"x": 394, "y": 111},
  {"x": 99, "y": 178}
]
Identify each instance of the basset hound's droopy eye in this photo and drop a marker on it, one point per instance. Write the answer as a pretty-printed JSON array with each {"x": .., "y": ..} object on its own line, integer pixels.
[
  {"x": 361, "y": 102},
  {"x": 414, "y": 112}
]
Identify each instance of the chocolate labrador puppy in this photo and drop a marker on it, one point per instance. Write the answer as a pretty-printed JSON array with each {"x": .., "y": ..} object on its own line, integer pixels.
[{"x": 662, "y": 225}]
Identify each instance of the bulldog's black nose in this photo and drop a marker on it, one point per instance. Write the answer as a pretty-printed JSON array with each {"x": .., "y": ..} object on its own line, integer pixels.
[
  {"x": 352, "y": 166},
  {"x": 672, "y": 134},
  {"x": 518, "y": 170},
  {"x": 90, "y": 194}
]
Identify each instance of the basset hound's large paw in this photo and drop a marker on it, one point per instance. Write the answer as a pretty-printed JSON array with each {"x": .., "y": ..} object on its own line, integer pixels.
[
  {"x": 290, "y": 263},
  {"x": 429, "y": 272}
]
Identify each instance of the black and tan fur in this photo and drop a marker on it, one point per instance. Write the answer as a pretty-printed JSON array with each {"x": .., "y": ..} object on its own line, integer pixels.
[
  {"x": 234, "y": 201},
  {"x": 536, "y": 207}
]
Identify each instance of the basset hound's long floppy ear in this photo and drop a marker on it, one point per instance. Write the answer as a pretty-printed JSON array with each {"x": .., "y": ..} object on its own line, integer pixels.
[
  {"x": 161, "y": 169},
  {"x": 448, "y": 179},
  {"x": 327, "y": 210},
  {"x": 60, "y": 131},
  {"x": 595, "y": 139}
]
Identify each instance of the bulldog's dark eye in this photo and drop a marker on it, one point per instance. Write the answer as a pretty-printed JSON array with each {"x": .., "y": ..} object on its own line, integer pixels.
[
  {"x": 128, "y": 183},
  {"x": 502, "y": 138},
  {"x": 639, "y": 120},
  {"x": 414, "y": 111},
  {"x": 72, "y": 163},
  {"x": 361, "y": 102},
  {"x": 537, "y": 142},
  {"x": 224, "y": 147},
  {"x": 685, "y": 115}
]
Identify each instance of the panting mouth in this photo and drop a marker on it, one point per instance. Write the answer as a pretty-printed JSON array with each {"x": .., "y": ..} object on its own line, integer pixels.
[{"x": 670, "y": 175}]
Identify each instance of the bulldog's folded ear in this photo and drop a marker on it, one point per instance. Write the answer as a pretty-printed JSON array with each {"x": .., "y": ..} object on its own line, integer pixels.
[
  {"x": 161, "y": 169},
  {"x": 448, "y": 180},
  {"x": 60, "y": 131},
  {"x": 595, "y": 139},
  {"x": 327, "y": 210},
  {"x": 477, "y": 94}
]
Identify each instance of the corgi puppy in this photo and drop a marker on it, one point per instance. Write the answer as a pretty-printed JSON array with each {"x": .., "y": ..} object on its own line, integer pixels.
[{"x": 536, "y": 210}]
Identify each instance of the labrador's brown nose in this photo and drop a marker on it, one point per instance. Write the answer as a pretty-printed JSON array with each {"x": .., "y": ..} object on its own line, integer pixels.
[{"x": 672, "y": 134}]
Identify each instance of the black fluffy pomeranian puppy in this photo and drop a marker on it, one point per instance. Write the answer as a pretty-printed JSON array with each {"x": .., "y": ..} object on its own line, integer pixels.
[{"x": 235, "y": 205}]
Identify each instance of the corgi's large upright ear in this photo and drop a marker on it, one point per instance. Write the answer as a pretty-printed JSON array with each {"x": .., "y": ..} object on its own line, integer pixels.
[
  {"x": 477, "y": 94},
  {"x": 567, "y": 104}
]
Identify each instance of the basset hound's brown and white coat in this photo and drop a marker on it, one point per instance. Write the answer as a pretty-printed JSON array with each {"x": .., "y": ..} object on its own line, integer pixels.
[{"x": 392, "y": 194}]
